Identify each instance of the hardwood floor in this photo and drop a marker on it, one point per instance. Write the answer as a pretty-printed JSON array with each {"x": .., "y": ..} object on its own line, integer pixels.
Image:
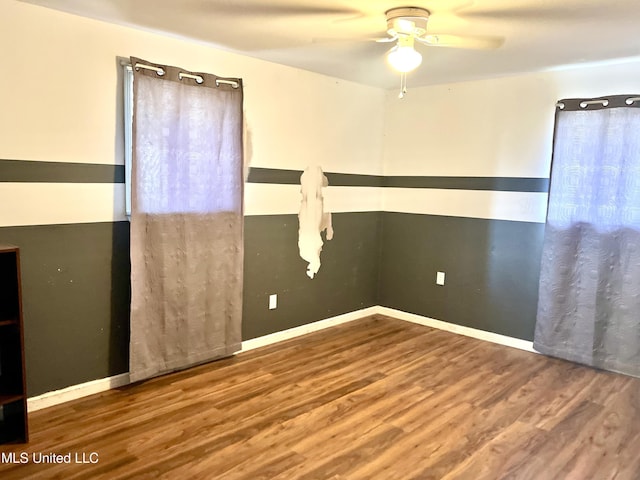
[{"x": 377, "y": 398}]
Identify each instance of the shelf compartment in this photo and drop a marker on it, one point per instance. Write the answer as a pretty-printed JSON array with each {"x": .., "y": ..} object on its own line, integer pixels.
[
  {"x": 13, "y": 422},
  {"x": 13, "y": 401},
  {"x": 9, "y": 321},
  {"x": 6, "y": 399},
  {"x": 9, "y": 287},
  {"x": 10, "y": 361}
]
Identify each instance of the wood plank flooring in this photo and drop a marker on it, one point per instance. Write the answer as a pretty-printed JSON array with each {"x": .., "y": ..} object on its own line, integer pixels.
[{"x": 377, "y": 398}]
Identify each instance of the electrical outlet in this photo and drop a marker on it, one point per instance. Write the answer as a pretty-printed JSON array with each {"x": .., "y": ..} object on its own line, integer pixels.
[
  {"x": 440, "y": 278},
  {"x": 273, "y": 301}
]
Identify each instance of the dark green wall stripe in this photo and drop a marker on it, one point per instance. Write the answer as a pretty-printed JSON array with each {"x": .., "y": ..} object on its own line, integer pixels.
[
  {"x": 504, "y": 184},
  {"x": 273, "y": 175},
  {"x": 292, "y": 177},
  {"x": 500, "y": 184},
  {"x": 354, "y": 180},
  {"x": 59, "y": 172}
]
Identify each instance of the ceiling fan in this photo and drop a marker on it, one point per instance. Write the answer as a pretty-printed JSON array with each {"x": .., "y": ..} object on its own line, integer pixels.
[{"x": 408, "y": 25}]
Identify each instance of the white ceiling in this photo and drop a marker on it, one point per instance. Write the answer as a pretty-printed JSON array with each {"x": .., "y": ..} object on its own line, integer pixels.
[{"x": 327, "y": 36}]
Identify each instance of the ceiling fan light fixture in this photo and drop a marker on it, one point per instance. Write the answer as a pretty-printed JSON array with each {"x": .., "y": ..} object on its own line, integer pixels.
[{"x": 404, "y": 58}]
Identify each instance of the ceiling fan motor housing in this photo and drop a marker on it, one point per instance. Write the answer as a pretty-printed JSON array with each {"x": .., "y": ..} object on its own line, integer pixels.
[{"x": 407, "y": 21}]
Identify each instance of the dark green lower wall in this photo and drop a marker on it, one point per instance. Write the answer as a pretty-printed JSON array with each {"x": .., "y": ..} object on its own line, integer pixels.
[
  {"x": 347, "y": 279},
  {"x": 492, "y": 269},
  {"x": 76, "y": 289},
  {"x": 75, "y": 294}
]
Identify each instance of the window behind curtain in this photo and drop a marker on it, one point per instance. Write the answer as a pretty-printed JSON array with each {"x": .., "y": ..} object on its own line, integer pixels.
[
  {"x": 194, "y": 196},
  {"x": 128, "y": 133},
  {"x": 595, "y": 175}
]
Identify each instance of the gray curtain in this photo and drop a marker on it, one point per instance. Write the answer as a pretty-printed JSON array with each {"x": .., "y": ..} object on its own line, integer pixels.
[
  {"x": 186, "y": 219},
  {"x": 589, "y": 300}
]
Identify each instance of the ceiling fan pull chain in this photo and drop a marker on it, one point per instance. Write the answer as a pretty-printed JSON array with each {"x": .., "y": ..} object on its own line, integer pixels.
[{"x": 403, "y": 85}]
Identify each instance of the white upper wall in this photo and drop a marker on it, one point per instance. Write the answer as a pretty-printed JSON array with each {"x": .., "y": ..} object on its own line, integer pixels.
[
  {"x": 295, "y": 118},
  {"x": 501, "y": 127},
  {"x": 60, "y": 96}
]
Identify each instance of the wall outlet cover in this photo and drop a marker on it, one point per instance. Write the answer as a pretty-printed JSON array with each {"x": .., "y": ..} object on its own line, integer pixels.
[
  {"x": 273, "y": 301},
  {"x": 440, "y": 278}
]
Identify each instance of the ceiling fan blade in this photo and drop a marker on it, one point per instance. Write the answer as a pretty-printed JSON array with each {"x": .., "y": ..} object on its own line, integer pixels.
[
  {"x": 456, "y": 41},
  {"x": 385, "y": 39},
  {"x": 553, "y": 12},
  {"x": 354, "y": 40},
  {"x": 261, "y": 9}
]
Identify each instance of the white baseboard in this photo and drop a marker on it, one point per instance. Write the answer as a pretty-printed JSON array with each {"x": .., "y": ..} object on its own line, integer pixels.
[
  {"x": 308, "y": 328},
  {"x": 75, "y": 392},
  {"x": 459, "y": 329}
]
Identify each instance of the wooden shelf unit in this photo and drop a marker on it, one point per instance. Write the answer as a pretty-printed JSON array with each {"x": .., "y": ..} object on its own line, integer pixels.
[{"x": 13, "y": 394}]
